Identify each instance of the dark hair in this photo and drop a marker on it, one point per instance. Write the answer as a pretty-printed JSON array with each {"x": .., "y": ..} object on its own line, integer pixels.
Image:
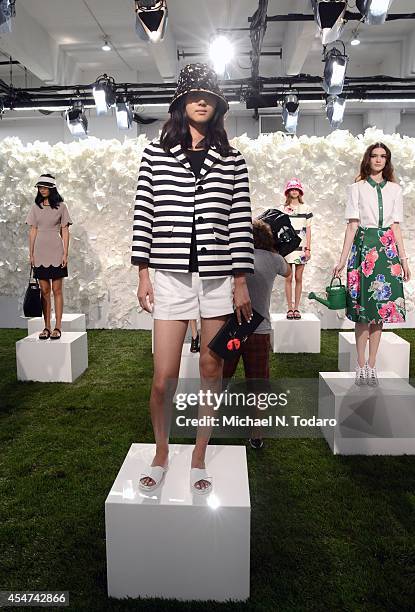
[
  {"x": 176, "y": 130},
  {"x": 387, "y": 172},
  {"x": 54, "y": 197},
  {"x": 263, "y": 238},
  {"x": 289, "y": 198}
]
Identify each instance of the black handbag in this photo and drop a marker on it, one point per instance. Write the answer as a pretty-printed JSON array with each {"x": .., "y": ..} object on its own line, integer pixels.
[
  {"x": 228, "y": 342},
  {"x": 286, "y": 239},
  {"x": 32, "y": 303}
]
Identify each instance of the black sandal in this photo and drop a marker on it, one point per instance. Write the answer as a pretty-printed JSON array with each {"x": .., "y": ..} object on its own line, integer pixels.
[
  {"x": 56, "y": 337},
  {"x": 45, "y": 334},
  {"x": 290, "y": 316},
  {"x": 298, "y": 315}
]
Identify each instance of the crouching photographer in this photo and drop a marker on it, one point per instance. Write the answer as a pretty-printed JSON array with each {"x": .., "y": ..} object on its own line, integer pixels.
[{"x": 255, "y": 352}]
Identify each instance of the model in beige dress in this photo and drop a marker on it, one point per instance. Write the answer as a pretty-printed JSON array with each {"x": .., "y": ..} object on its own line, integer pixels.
[{"x": 49, "y": 222}]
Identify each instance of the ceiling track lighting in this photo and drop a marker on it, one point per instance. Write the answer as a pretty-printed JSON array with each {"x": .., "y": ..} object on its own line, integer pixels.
[
  {"x": 7, "y": 12},
  {"x": 151, "y": 19},
  {"x": 374, "y": 12},
  {"x": 335, "y": 108},
  {"x": 330, "y": 18},
  {"x": 107, "y": 45},
  {"x": 221, "y": 53},
  {"x": 104, "y": 90},
  {"x": 290, "y": 112},
  {"x": 124, "y": 115},
  {"x": 334, "y": 70},
  {"x": 76, "y": 121}
]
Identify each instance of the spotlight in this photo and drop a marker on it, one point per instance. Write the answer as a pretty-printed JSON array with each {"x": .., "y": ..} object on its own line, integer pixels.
[
  {"x": 7, "y": 11},
  {"x": 290, "y": 110},
  {"x": 151, "y": 20},
  {"x": 355, "y": 38},
  {"x": 374, "y": 12},
  {"x": 329, "y": 16},
  {"x": 77, "y": 121},
  {"x": 104, "y": 93},
  {"x": 106, "y": 46},
  {"x": 335, "y": 107},
  {"x": 334, "y": 71},
  {"x": 124, "y": 115},
  {"x": 221, "y": 53}
]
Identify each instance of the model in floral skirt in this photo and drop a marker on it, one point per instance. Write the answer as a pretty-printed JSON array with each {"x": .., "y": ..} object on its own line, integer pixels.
[{"x": 374, "y": 251}]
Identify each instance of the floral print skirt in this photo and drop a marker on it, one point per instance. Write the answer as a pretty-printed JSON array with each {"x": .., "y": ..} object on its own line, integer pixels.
[{"x": 375, "y": 278}]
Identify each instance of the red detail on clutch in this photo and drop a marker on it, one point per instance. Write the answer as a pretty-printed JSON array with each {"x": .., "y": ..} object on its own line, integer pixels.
[{"x": 234, "y": 344}]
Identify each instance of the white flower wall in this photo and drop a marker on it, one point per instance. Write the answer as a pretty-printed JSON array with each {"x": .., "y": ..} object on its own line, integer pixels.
[{"x": 97, "y": 179}]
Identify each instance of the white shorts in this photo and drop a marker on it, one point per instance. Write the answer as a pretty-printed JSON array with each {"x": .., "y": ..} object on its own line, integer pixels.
[{"x": 185, "y": 296}]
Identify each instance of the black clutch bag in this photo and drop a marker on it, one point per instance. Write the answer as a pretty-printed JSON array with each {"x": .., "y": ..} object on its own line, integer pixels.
[
  {"x": 286, "y": 239},
  {"x": 229, "y": 340},
  {"x": 32, "y": 303}
]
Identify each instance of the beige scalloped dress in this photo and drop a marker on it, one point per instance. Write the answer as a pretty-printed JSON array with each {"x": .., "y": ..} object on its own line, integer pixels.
[{"x": 48, "y": 247}]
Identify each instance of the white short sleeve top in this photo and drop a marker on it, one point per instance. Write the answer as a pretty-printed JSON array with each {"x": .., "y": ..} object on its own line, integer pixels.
[{"x": 363, "y": 203}]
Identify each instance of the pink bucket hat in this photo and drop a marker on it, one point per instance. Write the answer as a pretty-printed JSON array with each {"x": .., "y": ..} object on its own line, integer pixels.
[{"x": 294, "y": 183}]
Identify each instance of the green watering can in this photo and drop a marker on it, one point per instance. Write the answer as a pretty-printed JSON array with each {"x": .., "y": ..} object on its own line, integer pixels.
[{"x": 336, "y": 296}]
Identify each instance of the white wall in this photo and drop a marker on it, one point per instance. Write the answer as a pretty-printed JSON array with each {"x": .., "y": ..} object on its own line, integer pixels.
[
  {"x": 312, "y": 125},
  {"x": 98, "y": 180},
  {"x": 407, "y": 125},
  {"x": 53, "y": 129}
]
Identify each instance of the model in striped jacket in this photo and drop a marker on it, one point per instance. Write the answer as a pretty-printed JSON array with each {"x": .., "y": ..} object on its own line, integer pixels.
[
  {"x": 192, "y": 223},
  {"x": 169, "y": 197}
]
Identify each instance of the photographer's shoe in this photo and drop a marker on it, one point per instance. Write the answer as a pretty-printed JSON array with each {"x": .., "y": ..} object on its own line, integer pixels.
[
  {"x": 256, "y": 442},
  {"x": 195, "y": 345}
]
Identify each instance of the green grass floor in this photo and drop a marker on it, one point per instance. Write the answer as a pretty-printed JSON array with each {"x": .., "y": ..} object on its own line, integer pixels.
[{"x": 328, "y": 532}]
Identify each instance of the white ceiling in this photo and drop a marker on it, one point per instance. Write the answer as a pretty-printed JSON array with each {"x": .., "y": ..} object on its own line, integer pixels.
[{"x": 59, "y": 41}]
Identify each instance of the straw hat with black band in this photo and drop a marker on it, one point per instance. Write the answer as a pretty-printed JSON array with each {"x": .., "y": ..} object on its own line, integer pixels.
[{"x": 46, "y": 180}]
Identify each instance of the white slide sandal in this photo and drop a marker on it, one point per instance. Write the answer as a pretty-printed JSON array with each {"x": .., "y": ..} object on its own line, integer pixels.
[
  {"x": 197, "y": 474},
  {"x": 156, "y": 473}
]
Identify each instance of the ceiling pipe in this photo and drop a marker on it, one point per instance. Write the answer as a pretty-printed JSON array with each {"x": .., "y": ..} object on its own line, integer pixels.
[{"x": 349, "y": 16}]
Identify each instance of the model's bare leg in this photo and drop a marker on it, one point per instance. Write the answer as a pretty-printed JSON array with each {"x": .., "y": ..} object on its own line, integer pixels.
[
  {"x": 45, "y": 293},
  {"x": 362, "y": 335},
  {"x": 57, "y": 286},
  {"x": 193, "y": 327},
  {"x": 299, "y": 269},
  {"x": 210, "y": 367},
  {"x": 289, "y": 289},
  {"x": 375, "y": 334},
  {"x": 168, "y": 344}
]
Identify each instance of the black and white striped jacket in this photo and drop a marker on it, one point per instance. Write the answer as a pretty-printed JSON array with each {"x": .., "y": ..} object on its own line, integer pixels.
[{"x": 168, "y": 195}]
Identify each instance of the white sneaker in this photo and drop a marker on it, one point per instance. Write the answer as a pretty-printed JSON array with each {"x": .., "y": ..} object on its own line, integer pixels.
[
  {"x": 371, "y": 376},
  {"x": 360, "y": 378}
]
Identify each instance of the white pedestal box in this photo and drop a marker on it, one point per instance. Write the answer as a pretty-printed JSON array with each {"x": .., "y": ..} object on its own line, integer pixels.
[
  {"x": 296, "y": 336},
  {"x": 189, "y": 372},
  {"x": 10, "y": 312},
  {"x": 393, "y": 353},
  {"x": 173, "y": 544},
  {"x": 370, "y": 420},
  {"x": 52, "y": 360},
  {"x": 140, "y": 320},
  {"x": 189, "y": 364},
  {"x": 334, "y": 319},
  {"x": 70, "y": 323}
]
